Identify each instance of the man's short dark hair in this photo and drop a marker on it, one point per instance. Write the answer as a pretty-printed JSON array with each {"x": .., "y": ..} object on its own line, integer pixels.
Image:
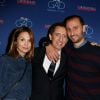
[{"x": 72, "y": 17}]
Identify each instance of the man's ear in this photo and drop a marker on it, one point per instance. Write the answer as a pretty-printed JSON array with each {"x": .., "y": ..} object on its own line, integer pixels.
[
  {"x": 50, "y": 37},
  {"x": 84, "y": 28}
]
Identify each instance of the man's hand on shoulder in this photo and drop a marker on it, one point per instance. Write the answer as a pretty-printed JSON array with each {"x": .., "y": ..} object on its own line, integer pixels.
[{"x": 52, "y": 53}]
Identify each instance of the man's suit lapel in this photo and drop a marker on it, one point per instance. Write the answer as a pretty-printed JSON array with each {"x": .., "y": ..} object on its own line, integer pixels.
[
  {"x": 61, "y": 66},
  {"x": 41, "y": 58}
]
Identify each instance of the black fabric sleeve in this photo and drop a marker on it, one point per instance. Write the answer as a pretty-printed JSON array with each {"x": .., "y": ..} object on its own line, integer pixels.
[{"x": 44, "y": 42}]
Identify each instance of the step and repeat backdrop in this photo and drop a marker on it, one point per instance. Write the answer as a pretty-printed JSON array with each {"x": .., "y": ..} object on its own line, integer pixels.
[{"x": 40, "y": 14}]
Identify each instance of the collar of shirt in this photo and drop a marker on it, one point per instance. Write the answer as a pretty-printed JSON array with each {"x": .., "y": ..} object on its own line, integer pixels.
[
  {"x": 82, "y": 44},
  {"x": 47, "y": 62}
]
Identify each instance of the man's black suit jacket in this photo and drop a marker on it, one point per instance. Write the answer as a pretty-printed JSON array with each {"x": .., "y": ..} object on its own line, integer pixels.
[{"x": 42, "y": 87}]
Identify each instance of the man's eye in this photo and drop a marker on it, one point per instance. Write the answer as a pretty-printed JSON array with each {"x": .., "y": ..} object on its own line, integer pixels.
[
  {"x": 57, "y": 34},
  {"x": 22, "y": 39}
]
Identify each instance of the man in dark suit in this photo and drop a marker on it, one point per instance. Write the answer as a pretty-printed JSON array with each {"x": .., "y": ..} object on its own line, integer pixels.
[{"x": 45, "y": 87}]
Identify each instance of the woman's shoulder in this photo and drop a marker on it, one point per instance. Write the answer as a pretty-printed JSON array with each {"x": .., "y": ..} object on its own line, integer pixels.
[
  {"x": 3, "y": 57},
  {"x": 6, "y": 59}
]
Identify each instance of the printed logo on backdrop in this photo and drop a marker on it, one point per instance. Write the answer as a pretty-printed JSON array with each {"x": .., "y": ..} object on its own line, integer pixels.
[
  {"x": 56, "y": 6},
  {"x": 46, "y": 26},
  {"x": 1, "y": 21},
  {"x": 23, "y": 21},
  {"x": 87, "y": 5},
  {"x": 89, "y": 32},
  {"x": 86, "y": 8},
  {"x": 26, "y": 2},
  {"x": 2, "y": 2}
]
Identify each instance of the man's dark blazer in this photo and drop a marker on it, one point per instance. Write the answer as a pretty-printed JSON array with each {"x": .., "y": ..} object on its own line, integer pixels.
[{"x": 42, "y": 87}]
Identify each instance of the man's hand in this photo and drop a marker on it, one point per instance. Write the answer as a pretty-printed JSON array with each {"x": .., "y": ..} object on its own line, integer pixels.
[
  {"x": 52, "y": 53},
  {"x": 95, "y": 44}
]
